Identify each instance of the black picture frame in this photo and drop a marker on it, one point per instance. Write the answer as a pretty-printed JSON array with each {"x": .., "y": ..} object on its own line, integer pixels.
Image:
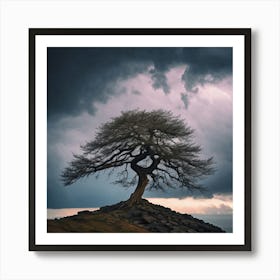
[{"x": 246, "y": 33}]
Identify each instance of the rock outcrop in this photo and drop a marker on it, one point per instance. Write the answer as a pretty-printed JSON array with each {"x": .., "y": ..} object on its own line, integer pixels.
[{"x": 142, "y": 217}]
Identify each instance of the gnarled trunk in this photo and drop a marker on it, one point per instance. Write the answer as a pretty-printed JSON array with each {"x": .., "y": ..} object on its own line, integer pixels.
[
  {"x": 137, "y": 195},
  {"x": 142, "y": 172}
]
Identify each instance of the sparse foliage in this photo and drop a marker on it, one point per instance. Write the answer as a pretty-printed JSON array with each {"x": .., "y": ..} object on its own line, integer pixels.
[{"x": 156, "y": 145}]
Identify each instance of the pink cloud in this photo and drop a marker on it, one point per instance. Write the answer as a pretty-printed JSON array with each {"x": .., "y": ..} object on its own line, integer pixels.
[
  {"x": 219, "y": 204},
  {"x": 209, "y": 111}
]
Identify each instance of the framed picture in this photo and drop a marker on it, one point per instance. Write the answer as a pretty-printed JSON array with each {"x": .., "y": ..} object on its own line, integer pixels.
[{"x": 140, "y": 139}]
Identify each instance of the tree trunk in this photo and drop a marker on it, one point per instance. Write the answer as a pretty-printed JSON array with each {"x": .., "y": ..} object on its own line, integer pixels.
[{"x": 137, "y": 195}]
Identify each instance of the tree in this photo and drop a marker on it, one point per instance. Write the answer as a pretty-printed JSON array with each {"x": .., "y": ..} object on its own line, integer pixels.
[{"x": 156, "y": 145}]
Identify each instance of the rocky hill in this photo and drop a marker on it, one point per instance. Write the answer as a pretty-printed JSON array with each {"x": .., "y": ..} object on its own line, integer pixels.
[{"x": 143, "y": 217}]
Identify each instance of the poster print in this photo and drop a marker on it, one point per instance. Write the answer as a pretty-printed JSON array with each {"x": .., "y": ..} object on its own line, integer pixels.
[{"x": 139, "y": 139}]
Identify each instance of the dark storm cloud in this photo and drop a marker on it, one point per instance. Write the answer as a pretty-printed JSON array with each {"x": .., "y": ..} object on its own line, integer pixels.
[
  {"x": 206, "y": 65},
  {"x": 159, "y": 80},
  {"x": 136, "y": 92},
  {"x": 185, "y": 99},
  {"x": 79, "y": 76}
]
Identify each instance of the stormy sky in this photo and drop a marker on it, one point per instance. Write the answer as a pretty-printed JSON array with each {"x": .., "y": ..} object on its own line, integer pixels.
[{"x": 89, "y": 86}]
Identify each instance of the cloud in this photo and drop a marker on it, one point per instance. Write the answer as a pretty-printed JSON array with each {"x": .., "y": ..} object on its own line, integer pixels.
[
  {"x": 77, "y": 77},
  {"x": 159, "y": 80},
  {"x": 209, "y": 114},
  {"x": 218, "y": 204},
  {"x": 208, "y": 65},
  {"x": 89, "y": 86},
  {"x": 185, "y": 100}
]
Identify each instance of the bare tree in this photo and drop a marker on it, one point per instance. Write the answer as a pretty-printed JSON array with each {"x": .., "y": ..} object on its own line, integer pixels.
[{"x": 156, "y": 145}]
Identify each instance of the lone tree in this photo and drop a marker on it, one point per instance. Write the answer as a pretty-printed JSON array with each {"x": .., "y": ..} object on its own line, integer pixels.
[{"x": 156, "y": 145}]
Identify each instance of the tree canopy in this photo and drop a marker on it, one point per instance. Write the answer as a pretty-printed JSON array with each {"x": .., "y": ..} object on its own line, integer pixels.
[{"x": 158, "y": 146}]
